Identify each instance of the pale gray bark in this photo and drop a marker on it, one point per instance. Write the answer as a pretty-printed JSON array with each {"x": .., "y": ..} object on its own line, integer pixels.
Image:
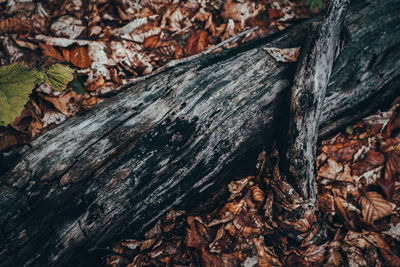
[{"x": 174, "y": 138}]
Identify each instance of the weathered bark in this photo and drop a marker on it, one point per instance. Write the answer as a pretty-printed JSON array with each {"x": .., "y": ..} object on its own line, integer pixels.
[
  {"x": 307, "y": 98},
  {"x": 172, "y": 139}
]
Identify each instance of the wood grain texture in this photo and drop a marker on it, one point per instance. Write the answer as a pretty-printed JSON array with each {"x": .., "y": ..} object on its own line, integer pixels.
[
  {"x": 171, "y": 139},
  {"x": 307, "y": 98}
]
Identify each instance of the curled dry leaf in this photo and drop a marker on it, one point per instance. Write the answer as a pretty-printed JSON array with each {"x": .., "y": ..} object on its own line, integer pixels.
[
  {"x": 374, "y": 207},
  {"x": 257, "y": 194},
  {"x": 235, "y": 206},
  {"x": 266, "y": 255},
  {"x": 196, "y": 43},
  {"x": 146, "y": 244},
  {"x": 25, "y": 44},
  {"x": 284, "y": 54},
  {"x": 236, "y": 187}
]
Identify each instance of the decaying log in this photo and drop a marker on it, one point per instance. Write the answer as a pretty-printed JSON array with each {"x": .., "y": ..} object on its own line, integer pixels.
[
  {"x": 307, "y": 97},
  {"x": 172, "y": 139}
]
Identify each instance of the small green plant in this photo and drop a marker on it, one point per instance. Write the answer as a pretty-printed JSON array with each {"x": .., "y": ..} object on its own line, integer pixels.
[
  {"x": 314, "y": 3},
  {"x": 17, "y": 82}
]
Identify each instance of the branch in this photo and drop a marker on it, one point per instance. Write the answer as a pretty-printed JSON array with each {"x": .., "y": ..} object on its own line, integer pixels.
[{"x": 307, "y": 98}]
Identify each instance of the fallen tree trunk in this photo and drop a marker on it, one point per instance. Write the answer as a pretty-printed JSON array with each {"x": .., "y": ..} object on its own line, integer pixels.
[{"x": 172, "y": 139}]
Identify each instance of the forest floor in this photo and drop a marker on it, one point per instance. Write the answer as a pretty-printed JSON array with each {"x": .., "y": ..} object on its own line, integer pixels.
[
  {"x": 358, "y": 223},
  {"x": 110, "y": 44}
]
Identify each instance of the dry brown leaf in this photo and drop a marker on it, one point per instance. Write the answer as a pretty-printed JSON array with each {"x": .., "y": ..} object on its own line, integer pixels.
[
  {"x": 343, "y": 151},
  {"x": 275, "y": 13},
  {"x": 25, "y": 44},
  {"x": 89, "y": 102},
  {"x": 284, "y": 54},
  {"x": 66, "y": 103},
  {"x": 210, "y": 259},
  {"x": 344, "y": 208},
  {"x": 235, "y": 206},
  {"x": 374, "y": 207},
  {"x": 392, "y": 167},
  {"x": 80, "y": 57},
  {"x": 236, "y": 187},
  {"x": 152, "y": 42},
  {"x": 193, "y": 238},
  {"x": 50, "y": 51},
  {"x": 266, "y": 255},
  {"x": 335, "y": 171},
  {"x": 268, "y": 206},
  {"x": 66, "y": 54},
  {"x": 334, "y": 257},
  {"x": 372, "y": 160},
  {"x": 196, "y": 43},
  {"x": 146, "y": 244},
  {"x": 391, "y": 260},
  {"x": 15, "y": 25},
  {"x": 257, "y": 194},
  {"x": 314, "y": 254},
  {"x": 97, "y": 84},
  {"x": 130, "y": 243}
]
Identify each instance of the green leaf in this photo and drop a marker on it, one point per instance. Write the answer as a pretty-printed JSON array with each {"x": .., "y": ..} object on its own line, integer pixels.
[
  {"x": 16, "y": 83},
  {"x": 78, "y": 87},
  {"x": 58, "y": 76},
  {"x": 349, "y": 130},
  {"x": 314, "y": 3}
]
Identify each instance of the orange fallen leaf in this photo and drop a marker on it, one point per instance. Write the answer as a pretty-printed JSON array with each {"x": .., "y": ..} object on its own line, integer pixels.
[
  {"x": 152, "y": 42},
  {"x": 275, "y": 13},
  {"x": 66, "y": 54},
  {"x": 80, "y": 57},
  {"x": 98, "y": 83},
  {"x": 196, "y": 43}
]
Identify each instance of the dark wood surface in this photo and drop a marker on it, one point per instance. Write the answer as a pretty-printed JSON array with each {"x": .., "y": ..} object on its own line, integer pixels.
[{"x": 174, "y": 138}]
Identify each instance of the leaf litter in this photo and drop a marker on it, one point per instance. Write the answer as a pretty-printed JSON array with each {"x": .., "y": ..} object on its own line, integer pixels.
[{"x": 357, "y": 222}]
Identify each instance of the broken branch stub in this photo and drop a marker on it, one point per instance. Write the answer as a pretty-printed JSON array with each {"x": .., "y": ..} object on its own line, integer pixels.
[{"x": 307, "y": 98}]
